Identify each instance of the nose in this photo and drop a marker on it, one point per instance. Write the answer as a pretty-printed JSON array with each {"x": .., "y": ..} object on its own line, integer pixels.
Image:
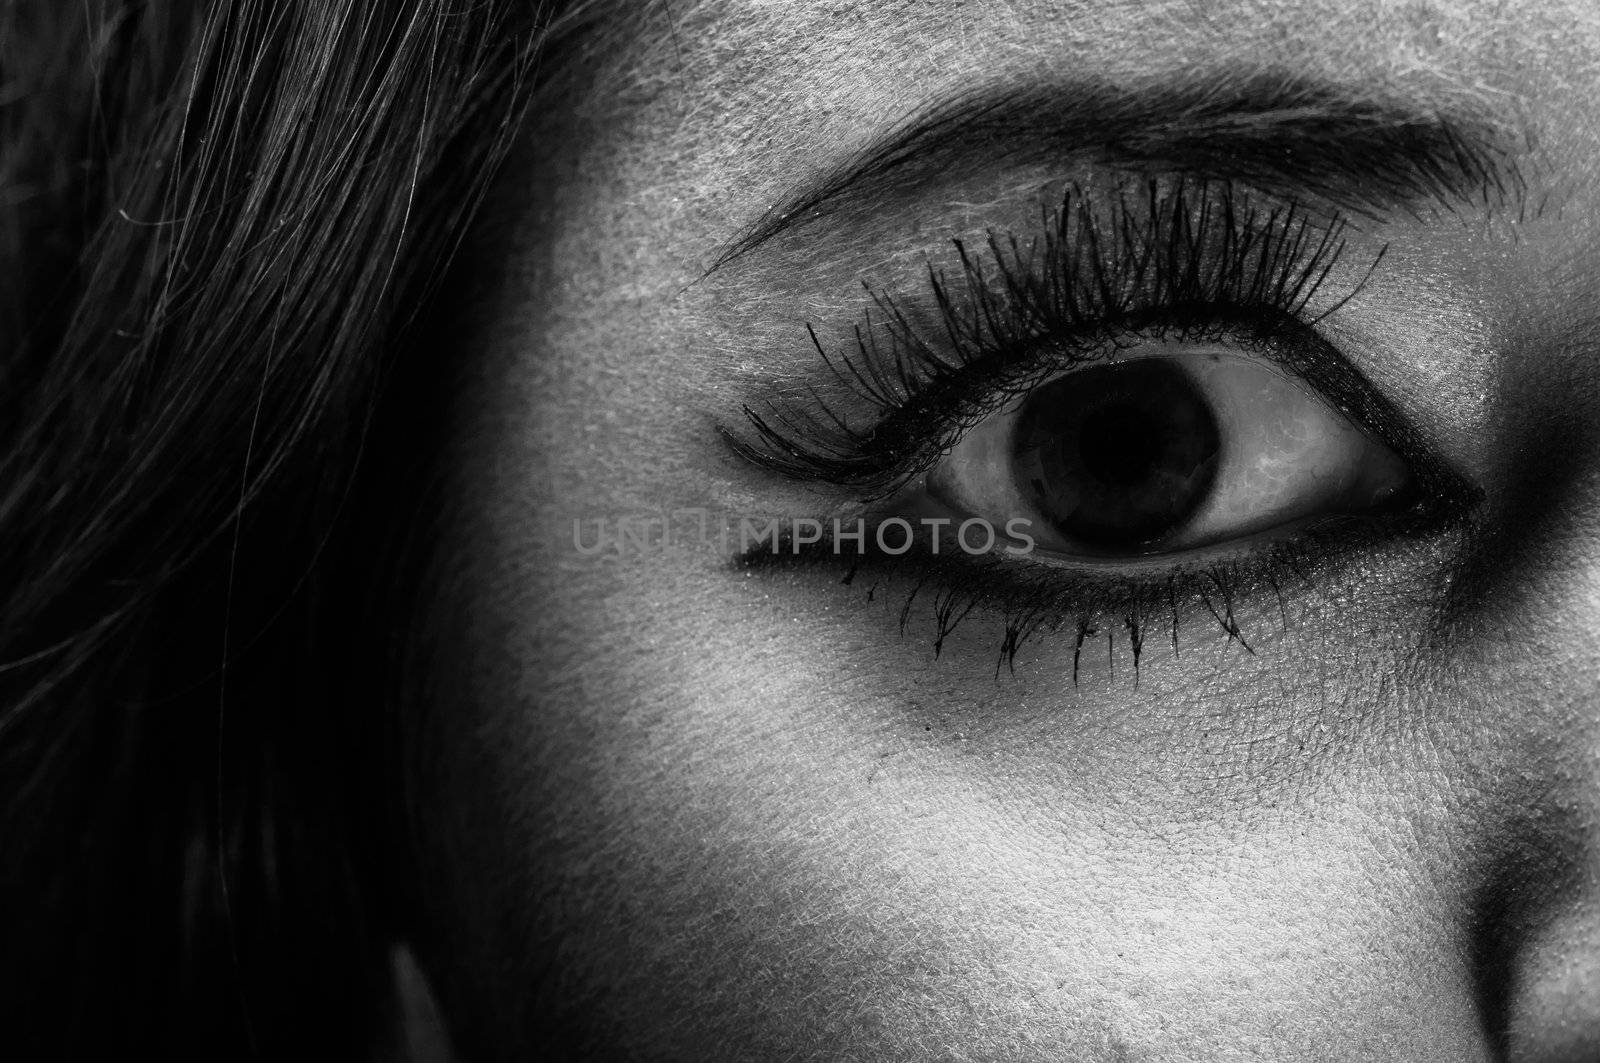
[
  {"x": 1553, "y": 1013},
  {"x": 1540, "y": 925},
  {"x": 1537, "y": 915},
  {"x": 1521, "y": 647}
]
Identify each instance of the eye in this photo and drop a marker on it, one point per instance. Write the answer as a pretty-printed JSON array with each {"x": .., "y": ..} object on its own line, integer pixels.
[{"x": 1168, "y": 448}]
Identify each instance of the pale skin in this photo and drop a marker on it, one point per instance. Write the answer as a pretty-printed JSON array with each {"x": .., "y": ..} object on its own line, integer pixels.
[{"x": 706, "y": 813}]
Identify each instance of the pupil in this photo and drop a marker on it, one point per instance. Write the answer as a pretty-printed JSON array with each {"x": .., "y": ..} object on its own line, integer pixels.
[
  {"x": 1114, "y": 449},
  {"x": 1120, "y": 456}
]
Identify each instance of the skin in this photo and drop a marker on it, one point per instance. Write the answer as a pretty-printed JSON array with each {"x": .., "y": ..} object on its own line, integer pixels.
[{"x": 670, "y": 809}]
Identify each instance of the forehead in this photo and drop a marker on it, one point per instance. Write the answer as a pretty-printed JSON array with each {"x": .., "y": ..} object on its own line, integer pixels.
[
  {"x": 959, "y": 37},
  {"x": 763, "y": 89}
]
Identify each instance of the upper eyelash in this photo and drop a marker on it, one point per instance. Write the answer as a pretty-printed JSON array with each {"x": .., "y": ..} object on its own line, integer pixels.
[{"x": 1195, "y": 260}]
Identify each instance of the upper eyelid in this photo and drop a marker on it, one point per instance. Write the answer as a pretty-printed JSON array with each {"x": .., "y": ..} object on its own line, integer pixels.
[{"x": 1275, "y": 259}]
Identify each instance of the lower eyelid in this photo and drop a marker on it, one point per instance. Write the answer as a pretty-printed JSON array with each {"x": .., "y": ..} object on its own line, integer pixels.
[
  {"x": 1033, "y": 597},
  {"x": 1028, "y": 599}
]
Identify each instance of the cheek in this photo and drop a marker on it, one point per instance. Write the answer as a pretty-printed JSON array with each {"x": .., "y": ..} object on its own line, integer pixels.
[
  {"x": 725, "y": 839},
  {"x": 685, "y": 811}
]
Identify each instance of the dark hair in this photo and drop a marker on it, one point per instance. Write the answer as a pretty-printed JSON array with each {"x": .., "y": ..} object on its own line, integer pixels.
[{"x": 219, "y": 220}]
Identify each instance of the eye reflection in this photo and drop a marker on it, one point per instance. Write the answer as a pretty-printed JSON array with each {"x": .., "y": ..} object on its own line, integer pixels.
[{"x": 1167, "y": 448}]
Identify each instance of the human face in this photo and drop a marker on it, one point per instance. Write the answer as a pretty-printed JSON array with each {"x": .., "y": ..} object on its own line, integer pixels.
[{"x": 699, "y": 804}]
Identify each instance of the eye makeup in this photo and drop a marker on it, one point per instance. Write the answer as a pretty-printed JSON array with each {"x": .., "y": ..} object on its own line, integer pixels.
[{"x": 1179, "y": 262}]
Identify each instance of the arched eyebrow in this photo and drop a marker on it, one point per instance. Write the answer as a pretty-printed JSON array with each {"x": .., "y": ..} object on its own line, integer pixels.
[{"x": 1288, "y": 136}]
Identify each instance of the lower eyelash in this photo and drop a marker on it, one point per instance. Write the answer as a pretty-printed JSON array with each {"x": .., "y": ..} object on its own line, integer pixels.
[
  {"x": 1034, "y": 599},
  {"x": 947, "y": 597}
]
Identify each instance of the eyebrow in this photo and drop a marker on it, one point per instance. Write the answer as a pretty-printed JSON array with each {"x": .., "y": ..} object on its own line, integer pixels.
[{"x": 1285, "y": 135}]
